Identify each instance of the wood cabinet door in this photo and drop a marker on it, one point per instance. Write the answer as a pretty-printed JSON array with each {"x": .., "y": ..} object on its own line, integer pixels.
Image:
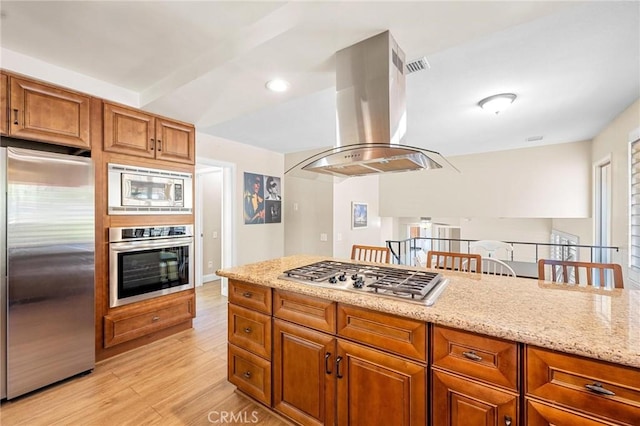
[
  {"x": 128, "y": 131},
  {"x": 375, "y": 388},
  {"x": 46, "y": 113},
  {"x": 4, "y": 106},
  {"x": 175, "y": 141},
  {"x": 457, "y": 401},
  {"x": 304, "y": 374}
]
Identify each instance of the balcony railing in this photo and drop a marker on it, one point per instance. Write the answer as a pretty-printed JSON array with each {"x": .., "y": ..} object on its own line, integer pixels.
[{"x": 523, "y": 258}]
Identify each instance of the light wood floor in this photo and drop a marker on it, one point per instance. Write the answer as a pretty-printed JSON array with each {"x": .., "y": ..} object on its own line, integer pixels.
[{"x": 180, "y": 380}]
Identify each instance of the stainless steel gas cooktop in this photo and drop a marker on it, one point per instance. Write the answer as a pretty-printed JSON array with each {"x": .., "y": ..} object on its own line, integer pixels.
[{"x": 412, "y": 285}]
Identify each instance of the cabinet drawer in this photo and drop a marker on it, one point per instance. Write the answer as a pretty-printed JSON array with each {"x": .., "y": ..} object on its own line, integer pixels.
[
  {"x": 250, "y": 330},
  {"x": 309, "y": 311},
  {"x": 539, "y": 414},
  {"x": 250, "y": 296},
  {"x": 485, "y": 358},
  {"x": 399, "y": 335},
  {"x": 250, "y": 373},
  {"x": 131, "y": 323},
  {"x": 565, "y": 379},
  {"x": 460, "y": 401}
]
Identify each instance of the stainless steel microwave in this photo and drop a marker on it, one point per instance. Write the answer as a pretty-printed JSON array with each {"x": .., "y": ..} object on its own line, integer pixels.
[{"x": 140, "y": 190}]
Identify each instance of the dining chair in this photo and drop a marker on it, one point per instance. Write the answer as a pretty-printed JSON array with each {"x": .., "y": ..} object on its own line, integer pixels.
[
  {"x": 571, "y": 272},
  {"x": 493, "y": 266},
  {"x": 464, "y": 262},
  {"x": 490, "y": 247},
  {"x": 371, "y": 254}
]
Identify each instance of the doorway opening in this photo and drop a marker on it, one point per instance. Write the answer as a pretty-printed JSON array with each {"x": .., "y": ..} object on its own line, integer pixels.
[{"x": 214, "y": 220}]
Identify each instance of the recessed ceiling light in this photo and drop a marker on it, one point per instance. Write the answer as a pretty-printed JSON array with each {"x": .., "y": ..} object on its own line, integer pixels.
[
  {"x": 497, "y": 103},
  {"x": 534, "y": 138},
  {"x": 277, "y": 85}
]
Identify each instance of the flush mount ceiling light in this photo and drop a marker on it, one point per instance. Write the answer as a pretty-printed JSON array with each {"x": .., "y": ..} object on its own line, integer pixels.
[
  {"x": 497, "y": 103},
  {"x": 277, "y": 85}
]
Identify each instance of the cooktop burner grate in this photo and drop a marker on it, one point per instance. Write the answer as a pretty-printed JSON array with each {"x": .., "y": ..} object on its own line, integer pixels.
[{"x": 395, "y": 282}]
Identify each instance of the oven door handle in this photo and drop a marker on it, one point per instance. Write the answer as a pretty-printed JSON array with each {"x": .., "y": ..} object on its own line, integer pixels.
[{"x": 151, "y": 244}]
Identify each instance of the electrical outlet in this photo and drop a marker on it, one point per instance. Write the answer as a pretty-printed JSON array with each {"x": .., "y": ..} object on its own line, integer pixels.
[
  {"x": 323, "y": 237},
  {"x": 210, "y": 264}
]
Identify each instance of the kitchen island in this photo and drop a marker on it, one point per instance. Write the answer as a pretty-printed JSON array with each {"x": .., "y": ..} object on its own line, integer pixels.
[{"x": 525, "y": 336}]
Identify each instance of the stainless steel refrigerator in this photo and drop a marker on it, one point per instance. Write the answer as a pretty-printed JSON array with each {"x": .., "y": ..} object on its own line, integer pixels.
[{"x": 47, "y": 268}]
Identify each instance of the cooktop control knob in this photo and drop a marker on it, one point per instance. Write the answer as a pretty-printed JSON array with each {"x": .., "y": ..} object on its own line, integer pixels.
[
  {"x": 333, "y": 280},
  {"x": 343, "y": 276},
  {"x": 359, "y": 283},
  {"x": 354, "y": 277}
]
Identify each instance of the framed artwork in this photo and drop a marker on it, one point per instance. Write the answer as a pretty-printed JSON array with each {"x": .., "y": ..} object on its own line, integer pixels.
[
  {"x": 359, "y": 216},
  {"x": 262, "y": 199}
]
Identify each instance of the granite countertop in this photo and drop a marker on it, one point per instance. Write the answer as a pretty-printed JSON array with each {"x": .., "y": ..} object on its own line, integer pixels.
[{"x": 600, "y": 324}]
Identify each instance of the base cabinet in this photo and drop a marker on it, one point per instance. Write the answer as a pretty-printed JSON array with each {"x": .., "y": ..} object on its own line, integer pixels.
[
  {"x": 304, "y": 374},
  {"x": 459, "y": 402},
  {"x": 375, "y": 388},
  {"x": 132, "y": 322},
  {"x": 541, "y": 414}
]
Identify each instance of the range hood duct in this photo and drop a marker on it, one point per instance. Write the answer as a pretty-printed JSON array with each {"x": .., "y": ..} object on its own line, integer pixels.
[{"x": 371, "y": 115}]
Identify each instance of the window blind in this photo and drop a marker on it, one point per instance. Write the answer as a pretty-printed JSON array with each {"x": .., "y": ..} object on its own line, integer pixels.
[{"x": 634, "y": 208}]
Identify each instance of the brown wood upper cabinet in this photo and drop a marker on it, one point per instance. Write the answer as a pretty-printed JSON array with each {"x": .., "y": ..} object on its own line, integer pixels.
[
  {"x": 48, "y": 113},
  {"x": 4, "y": 107},
  {"x": 134, "y": 132}
]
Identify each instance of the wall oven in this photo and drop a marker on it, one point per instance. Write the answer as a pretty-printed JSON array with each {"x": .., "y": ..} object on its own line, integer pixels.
[
  {"x": 147, "y": 262},
  {"x": 140, "y": 190}
]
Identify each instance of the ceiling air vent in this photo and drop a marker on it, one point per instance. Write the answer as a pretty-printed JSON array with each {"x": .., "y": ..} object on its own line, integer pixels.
[{"x": 417, "y": 65}]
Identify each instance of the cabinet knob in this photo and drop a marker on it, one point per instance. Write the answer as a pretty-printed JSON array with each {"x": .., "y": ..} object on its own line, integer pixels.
[
  {"x": 154, "y": 319},
  {"x": 472, "y": 356},
  {"x": 596, "y": 387},
  {"x": 247, "y": 330},
  {"x": 247, "y": 294},
  {"x": 507, "y": 421},
  {"x": 247, "y": 374}
]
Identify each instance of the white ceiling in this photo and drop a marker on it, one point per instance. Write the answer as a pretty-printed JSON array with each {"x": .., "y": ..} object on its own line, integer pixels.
[{"x": 574, "y": 65}]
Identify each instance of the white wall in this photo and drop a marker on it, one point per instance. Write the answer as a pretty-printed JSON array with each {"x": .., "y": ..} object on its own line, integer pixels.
[
  {"x": 253, "y": 243},
  {"x": 308, "y": 208},
  {"x": 211, "y": 223},
  {"x": 614, "y": 141},
  {"x": 542, "y": 182},
  {"x": 363, "y": 190}
]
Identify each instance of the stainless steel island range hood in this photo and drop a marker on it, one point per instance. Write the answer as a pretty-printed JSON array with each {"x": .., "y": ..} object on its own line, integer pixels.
[{"x": 371, "y": 115}]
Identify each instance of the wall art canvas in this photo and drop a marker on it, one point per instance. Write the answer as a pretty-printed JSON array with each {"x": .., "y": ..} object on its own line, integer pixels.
[
  {"x": 358, "y": 215},
  {"x": 262, "y": 199}
]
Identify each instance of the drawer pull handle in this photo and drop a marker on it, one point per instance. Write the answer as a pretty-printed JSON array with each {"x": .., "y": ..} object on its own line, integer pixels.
[
  {"x": 247, "y": 374},
  {"x": 151, "y": 144},
  {"x": 247, "y": 330},
  {"x": 154, "y": 319},
  {"x": 597, "y": 388},
  {"x": 159, "y": 145},
  {"x": 472, "y": 356},
  {"x": 326, "y": 363},
  {"x": 507, "y": 421},
  {"x": 338, "y": 361},
  {"x": 15, "y": 116},
  {"x": 247, "y": 294}
]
